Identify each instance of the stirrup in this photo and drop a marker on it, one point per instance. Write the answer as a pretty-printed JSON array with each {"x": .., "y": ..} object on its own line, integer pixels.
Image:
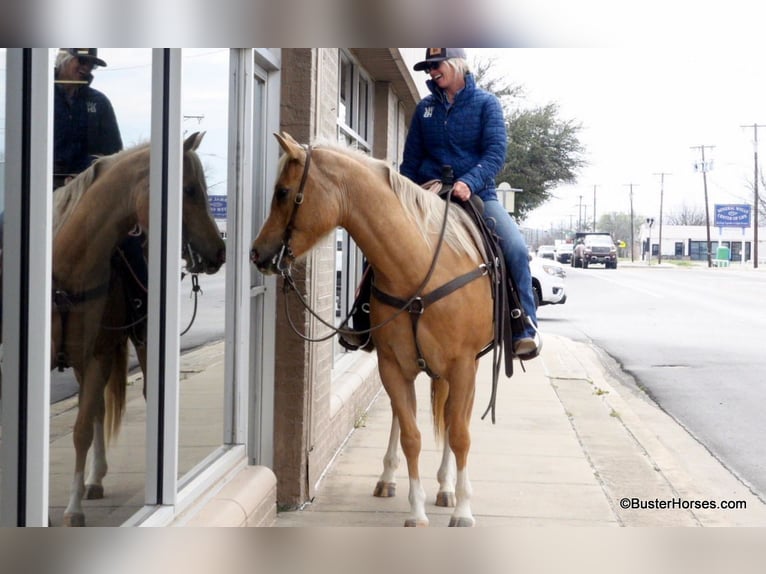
[{"x": 353, "y": 341}]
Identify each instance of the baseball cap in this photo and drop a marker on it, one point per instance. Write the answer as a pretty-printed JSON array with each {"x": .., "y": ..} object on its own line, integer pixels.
[
  {"x": 86, "y": 53},
  {"x": 437, "y": 55}
]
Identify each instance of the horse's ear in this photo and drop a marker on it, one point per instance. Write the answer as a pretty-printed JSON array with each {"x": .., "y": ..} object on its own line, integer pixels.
[
  {"x": 289, "y": 145},
  {"x": 193, "y": 141}
]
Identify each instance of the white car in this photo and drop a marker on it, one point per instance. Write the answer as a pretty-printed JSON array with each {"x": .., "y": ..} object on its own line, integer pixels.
[
  {"x": 547, "y": 281},
  {"x": 547, "y": 252}
]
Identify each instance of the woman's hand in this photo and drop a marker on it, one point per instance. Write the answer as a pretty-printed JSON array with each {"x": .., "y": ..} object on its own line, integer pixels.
[{"x": 461, "y": 191}]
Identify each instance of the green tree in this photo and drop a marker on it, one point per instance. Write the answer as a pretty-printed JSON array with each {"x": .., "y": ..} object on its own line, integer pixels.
[
  {"x": 618, "y": 226},
  {"x": 544, "y": 150}
]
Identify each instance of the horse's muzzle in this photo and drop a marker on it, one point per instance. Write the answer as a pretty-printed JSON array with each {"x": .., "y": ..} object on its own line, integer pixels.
[
  {"x": 197, "y": 263},
  {"x": 267, "y": 266}
]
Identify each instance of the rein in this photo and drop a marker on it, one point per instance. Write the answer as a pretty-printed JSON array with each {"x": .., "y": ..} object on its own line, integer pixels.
[
  {"x": 285, "y": 257},
  {"x": 415, "y": 305}
]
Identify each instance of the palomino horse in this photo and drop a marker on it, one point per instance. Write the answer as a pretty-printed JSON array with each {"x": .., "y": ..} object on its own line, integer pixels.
[
  {"x": 397, "y": 226},
  {"x": 92, "y": 214}
]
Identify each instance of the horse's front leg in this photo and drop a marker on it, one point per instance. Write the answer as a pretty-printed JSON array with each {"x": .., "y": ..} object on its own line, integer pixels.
[
  {"x": 404, "y": 404},
  {"x": 386, "y": 486}
]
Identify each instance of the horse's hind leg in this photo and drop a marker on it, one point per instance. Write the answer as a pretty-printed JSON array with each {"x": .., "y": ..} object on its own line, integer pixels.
[
  {"x": 94, "y": 488},
  {"x": 386, "y": 486},
  {"x": 446, "y": 477},
  {"x": 91, "y": 396},
  {"x": 458, "y": 419}
]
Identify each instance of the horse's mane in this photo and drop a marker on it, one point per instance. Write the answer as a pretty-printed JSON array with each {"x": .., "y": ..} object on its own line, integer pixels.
[
  {"x": 425, "y": 209},
  {"x": 66, "y": 198}
]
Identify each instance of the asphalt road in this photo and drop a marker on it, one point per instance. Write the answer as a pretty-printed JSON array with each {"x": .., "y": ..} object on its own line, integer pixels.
[{"x": 692, "y": 338}]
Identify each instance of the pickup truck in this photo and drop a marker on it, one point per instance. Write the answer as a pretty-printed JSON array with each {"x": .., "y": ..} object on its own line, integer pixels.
[{"x": 598, "y": 248}]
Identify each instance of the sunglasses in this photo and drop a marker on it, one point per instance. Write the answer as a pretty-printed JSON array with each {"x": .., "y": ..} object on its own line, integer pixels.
[
  {"x": 432, "y": 66},
  {"x": 83, "y": 61}
]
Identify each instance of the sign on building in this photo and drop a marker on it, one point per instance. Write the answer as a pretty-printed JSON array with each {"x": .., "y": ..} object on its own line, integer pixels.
[
  {"x": 218, "y": 206},
  {"x": 732, "y": 215}
]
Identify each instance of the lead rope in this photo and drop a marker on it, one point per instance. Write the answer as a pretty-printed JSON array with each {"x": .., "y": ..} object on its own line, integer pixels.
[{"x": 196, "y": 289}]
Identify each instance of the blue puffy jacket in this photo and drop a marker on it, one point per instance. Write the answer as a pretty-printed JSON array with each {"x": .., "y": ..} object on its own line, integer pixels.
[{"x": 468, "y": 135}]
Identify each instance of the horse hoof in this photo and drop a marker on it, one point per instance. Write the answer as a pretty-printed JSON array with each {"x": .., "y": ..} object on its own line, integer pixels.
[
  {"x": 462, "y": 521},
  {"x": 93, "y": 492},
  {"x": 75, "y": 519},
  {"x": 385, "y": 489},
  {"x": 445, "y": 499},
  {"x": 416, "y": 522}
]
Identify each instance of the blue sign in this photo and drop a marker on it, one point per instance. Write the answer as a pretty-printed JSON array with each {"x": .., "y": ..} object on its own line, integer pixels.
[
  {"x": 732, "y": 215},
  {"x": 218, "y": 206}
]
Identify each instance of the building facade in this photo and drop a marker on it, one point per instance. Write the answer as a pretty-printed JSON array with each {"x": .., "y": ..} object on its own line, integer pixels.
[
  {"x": 689, "y": 242},
  {"x": 257, "y": 416}
]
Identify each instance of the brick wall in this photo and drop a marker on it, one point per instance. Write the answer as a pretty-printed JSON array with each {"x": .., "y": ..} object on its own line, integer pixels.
[{"x": 317, "y": 405}]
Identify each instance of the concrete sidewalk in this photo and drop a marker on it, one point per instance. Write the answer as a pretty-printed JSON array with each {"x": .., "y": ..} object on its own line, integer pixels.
[{"x": 572, "y": 446}]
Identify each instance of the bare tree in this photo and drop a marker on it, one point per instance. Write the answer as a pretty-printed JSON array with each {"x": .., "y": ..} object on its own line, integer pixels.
[{"x": 686, "y": 215}]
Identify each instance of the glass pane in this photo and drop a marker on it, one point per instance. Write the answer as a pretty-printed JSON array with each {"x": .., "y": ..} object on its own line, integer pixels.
[
  {"x": 364, "y": 103},
  {"x": 84, "y": 130},
  {"x": 2, "y": 210},
  {"x": 345, "y": 95},
  {"x": 205, "y": 93}
]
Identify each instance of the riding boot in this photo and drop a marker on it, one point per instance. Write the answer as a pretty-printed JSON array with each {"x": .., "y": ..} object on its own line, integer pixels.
[{"x": 357, "y": 335}]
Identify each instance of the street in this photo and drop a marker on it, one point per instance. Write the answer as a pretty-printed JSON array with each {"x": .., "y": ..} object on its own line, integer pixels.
[{"x": 692, "y": 338}]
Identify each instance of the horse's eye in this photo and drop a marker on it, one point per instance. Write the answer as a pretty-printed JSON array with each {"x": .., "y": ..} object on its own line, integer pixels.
[
  {"x": 282, "y": 193},
  {"x": 189, "y": 190}
]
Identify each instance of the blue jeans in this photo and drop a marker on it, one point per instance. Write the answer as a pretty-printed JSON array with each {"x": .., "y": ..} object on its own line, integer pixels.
[{"x": 516, "y": 256}]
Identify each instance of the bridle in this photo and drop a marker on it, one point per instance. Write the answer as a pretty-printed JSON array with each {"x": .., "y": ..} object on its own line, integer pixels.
[
  {"x": 286, "y": 256},
  {"x": 415, "y": 304}
]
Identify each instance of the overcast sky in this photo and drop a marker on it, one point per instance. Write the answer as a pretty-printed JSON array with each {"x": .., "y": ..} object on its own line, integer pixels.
[
  {"x": 641, "y": 111},
  {"x": 126, "y": 80}
]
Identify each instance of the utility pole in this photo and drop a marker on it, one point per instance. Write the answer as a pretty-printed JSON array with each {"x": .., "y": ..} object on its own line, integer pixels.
[
  {"x": 632, "y": 231},
  {"x": 755, "y": 192},
  {"x": 704, "y": 167},
  {"x": 662, "y": 175},
  {"x": 579, "y": 216},
  {"x": 594, "y": 208}
]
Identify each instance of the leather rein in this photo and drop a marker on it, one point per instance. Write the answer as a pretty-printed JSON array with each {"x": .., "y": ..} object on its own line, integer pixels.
[
  {"x": 415, "y": 305},
  {"x": 64, "y": 301}
]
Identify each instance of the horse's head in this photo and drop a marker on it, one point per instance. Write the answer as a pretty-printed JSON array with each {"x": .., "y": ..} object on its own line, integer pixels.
[
  {"x": 302, "y": 210},
  {"x": 203, "y": 249}
]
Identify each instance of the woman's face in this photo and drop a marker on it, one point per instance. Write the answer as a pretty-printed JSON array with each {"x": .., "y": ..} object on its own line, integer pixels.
[{"x": 445, "y": 76}]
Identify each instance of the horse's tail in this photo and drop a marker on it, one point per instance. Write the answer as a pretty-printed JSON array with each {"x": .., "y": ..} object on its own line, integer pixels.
[
  {"x": 439, "y": 394},
  {"x": 116, "y": 391}
]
